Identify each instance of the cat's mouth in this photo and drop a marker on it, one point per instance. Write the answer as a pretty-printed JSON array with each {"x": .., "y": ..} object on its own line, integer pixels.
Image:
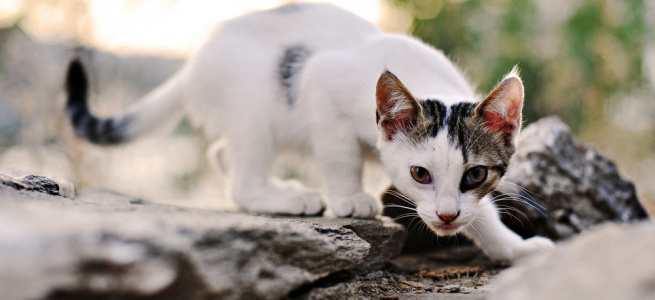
[
  {"x": 448, "y": 226},
  {"x": 443, "y": 229}
]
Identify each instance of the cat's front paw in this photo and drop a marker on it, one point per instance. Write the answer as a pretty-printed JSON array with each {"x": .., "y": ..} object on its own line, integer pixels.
[
  {"x": 530, "y": 246},
  {"x": 511, "y": 252},
  {"x": 285, "y": 202},
  {"x": 312, "y": 203},
  {"x": 360, "y": 205},
  {"x": 536, "y": 244}
]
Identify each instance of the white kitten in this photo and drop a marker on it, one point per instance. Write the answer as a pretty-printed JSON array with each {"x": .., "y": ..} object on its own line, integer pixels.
[{"x": 306, "y": 77}]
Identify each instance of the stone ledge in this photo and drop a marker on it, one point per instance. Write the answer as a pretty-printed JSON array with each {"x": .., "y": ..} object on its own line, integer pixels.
[
  {"x": 105, "y": 244},
  {"x": 609, "y": 261}
]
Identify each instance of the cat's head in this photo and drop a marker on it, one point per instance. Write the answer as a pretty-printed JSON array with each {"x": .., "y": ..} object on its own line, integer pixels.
[{"x": 446, "y": 158}]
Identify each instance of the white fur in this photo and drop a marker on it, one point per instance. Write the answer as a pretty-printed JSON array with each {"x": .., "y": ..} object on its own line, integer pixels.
[{"x": 233, "y": 92}]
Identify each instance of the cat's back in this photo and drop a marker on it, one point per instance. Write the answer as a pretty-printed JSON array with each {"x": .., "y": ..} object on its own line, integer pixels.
[
  {"x": 427, "y": 72},
  {"x": 424, "y": 70},
  {"x": 316, "y": 25},
  {"x": 252, "y": 63}
]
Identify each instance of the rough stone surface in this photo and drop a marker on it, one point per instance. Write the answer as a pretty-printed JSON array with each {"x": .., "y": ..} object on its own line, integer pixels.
[
  {"x": 575, "y": 185},
  {"x": 32, "y": 183},
  {"x": 614, "y": 261},
  {"x": 453, "y": 273},
  {"x": 101, "y": 244}
]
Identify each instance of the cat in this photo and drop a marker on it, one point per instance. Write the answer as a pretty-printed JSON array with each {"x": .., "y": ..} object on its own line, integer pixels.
[{"x": 316, "y": 78}]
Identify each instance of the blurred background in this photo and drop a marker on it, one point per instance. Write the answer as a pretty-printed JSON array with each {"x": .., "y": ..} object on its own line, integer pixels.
[{"x": 591, "y": 62}]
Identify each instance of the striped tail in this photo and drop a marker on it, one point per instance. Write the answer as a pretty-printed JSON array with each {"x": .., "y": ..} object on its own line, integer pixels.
[
  {"x": 158, "y": 106},
  {"x": 98, "y": 131}
]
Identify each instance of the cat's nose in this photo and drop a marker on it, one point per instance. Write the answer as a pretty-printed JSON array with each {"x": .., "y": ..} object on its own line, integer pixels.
[{"x": 448, "y": 218}]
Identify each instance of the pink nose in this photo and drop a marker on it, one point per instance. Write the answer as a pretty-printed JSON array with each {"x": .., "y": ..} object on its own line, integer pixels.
[{"x": 448, "y": 218}]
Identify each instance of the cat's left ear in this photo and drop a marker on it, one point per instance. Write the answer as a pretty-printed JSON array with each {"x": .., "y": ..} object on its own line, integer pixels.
[
  {"x": 397, "y": 110},
  {"x": 501, "y": 109}
]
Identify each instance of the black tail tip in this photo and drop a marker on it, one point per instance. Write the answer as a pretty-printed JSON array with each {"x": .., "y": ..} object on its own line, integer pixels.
[{"x": 76, "y": 81}]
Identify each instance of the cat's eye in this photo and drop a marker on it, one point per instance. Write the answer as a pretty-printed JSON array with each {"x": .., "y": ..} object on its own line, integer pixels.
[
  {"x": 421, "y": 175},
  {"x": 474, "y": 177}
]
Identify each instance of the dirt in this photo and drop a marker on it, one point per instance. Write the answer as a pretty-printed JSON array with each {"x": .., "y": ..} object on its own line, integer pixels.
[{"x": 451, "y": 273}]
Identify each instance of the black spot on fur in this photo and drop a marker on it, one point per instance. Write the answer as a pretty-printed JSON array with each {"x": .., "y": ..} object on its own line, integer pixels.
[
  {"x": 291, "y": 64},
  {"x": 434, "y": 111},
  {"x": 459, "y": 131},
  {"x": 287, "y": 9},
  {"x": 87, "y": 126}
]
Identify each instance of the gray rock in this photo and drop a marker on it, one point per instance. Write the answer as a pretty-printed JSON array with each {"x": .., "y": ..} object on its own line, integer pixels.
[
  {"x": 31, "y": 183},
  {"x": 103, "y": 244},
  {"x": 614, "y": 261},
  {"x": 452, "y": 273},
  {"x": 567, "y": 186},
  {"x": 36, "y": 183}
]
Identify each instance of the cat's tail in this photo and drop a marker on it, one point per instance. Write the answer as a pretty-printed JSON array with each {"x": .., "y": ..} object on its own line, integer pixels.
[{"x": 157, "y": 107}]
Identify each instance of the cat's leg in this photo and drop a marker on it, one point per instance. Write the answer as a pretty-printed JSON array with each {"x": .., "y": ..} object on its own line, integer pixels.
[
  {"x": 251, "y": 188},
  {"x": 339, "y": 155},
  {"x": 496, "y": 240},
  {"x": 216, "y": 156}
]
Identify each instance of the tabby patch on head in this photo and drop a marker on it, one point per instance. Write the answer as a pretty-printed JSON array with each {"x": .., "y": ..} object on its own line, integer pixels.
[{"x": 460, "y": 151}]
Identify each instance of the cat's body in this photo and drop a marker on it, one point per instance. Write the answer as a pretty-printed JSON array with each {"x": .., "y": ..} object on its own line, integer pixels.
[{"x": 306, "y": 77}]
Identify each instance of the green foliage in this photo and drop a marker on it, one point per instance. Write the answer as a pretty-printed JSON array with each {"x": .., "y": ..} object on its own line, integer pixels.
[{"x": 573, "y": 55}]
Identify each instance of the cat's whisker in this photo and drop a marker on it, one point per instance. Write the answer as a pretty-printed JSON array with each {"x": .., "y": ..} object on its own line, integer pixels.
[
  {"x": 456, "y": 241},
  {"x": 504, "y": 212},
  {"x": 401, "y": 197},
  {"x": 389, "y": 205},
  {"x": 507, "y": 211},
  {"x": 520, "y": 198},
  {"x": 540, "y": 210},
  {"x": 405, "y": 216},
  {"x": 409, "y": 227},
  {"x": 527, "y": 200},
  {"x": 478, "y": 231},
  {"x": 523, "y": 189},
  {"x": 408, "y": 202},
  {"x": 423, "y": 229},
  {"x": 485, "y": 203},
  {"x": 483, "y": 221},
  {"x": 511, "y": 208}
]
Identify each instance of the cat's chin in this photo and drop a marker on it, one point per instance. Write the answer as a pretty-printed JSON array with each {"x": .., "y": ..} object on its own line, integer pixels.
[{"x": 445, "y": 229}]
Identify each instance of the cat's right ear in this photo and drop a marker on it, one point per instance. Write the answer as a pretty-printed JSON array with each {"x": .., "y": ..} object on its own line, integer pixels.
[
  {"x": 397, "y": 110},
  {"x": 500, "y": 111}
]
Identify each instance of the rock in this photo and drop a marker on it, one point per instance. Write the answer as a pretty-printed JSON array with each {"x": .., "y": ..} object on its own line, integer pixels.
[
  {"x": 453, "y": 273},
  {"x": 105, "y": 245},
  {"x": 614, "y": 261},
  {"x": 566, "y": 186},
  {"x": 31, "y": 183},
  {"x": 37, "y": 183}
]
